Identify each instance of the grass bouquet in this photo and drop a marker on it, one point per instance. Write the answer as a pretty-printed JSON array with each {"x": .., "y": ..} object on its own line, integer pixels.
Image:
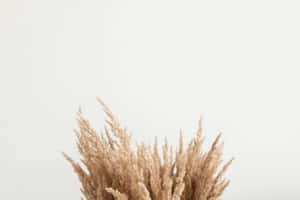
[{"x": 111, "y": 170}]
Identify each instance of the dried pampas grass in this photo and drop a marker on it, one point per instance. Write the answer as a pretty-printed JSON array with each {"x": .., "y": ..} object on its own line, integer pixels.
[{"x": 115, "y": 171}]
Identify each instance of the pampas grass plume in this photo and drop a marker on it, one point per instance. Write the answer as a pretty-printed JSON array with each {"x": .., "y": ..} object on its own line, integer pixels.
[{"x": 113, "y": 171}]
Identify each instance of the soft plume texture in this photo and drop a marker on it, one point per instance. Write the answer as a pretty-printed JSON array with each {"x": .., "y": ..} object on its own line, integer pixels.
[{"x": 113, "y": 170}]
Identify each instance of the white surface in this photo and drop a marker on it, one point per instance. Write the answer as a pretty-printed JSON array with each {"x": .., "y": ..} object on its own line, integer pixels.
[{"x": 159, "y": 65}]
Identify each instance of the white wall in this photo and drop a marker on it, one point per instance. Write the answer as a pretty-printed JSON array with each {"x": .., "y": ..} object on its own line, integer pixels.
[{"x": 159, "y": 65}]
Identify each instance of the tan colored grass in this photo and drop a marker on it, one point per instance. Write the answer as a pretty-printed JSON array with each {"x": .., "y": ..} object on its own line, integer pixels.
[{"x": 115, "y": 171}]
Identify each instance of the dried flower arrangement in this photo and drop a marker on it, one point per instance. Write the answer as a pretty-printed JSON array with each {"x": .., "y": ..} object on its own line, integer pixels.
[{"x": 115, "y": 171}]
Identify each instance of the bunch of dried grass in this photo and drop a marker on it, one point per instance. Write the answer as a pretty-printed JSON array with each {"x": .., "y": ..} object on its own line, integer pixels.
[{"x": 115, "y": 171}]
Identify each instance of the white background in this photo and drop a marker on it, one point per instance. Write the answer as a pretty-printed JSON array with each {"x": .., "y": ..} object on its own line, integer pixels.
[{"x": 159, "y": 65}]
